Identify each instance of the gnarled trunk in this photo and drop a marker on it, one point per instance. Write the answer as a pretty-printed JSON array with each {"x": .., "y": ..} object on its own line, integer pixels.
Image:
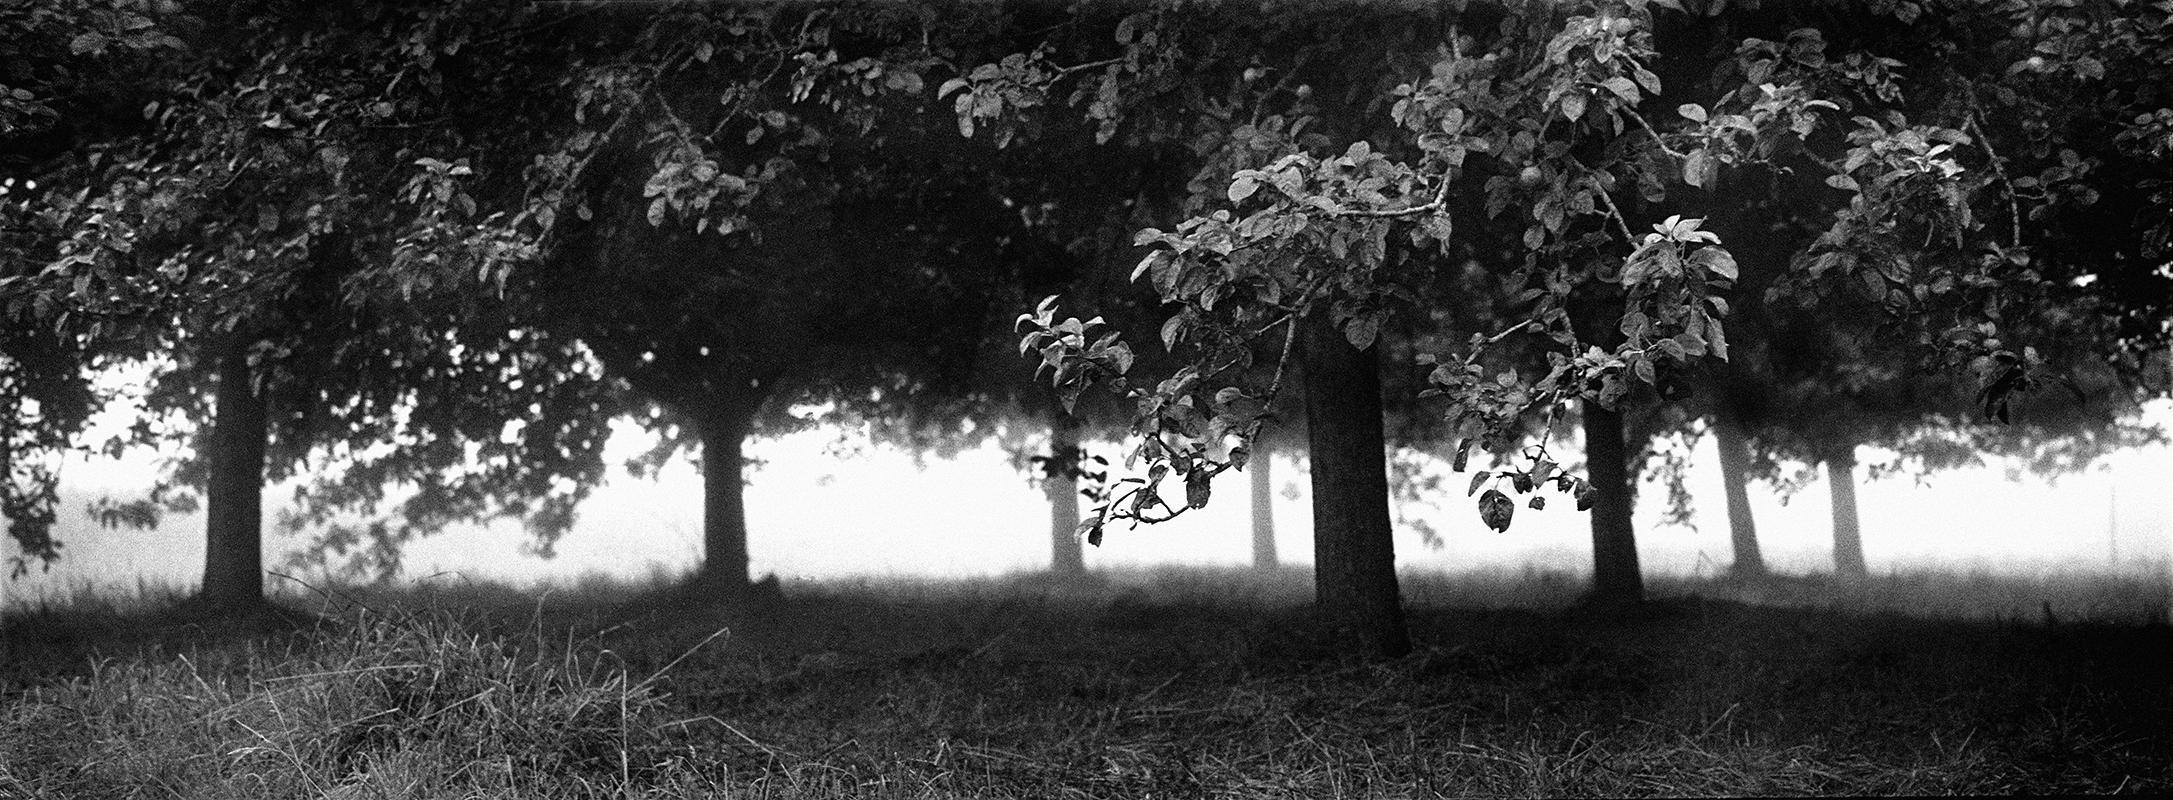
[
  {"x": 1060, "y": 482},
  {"x": 1848, "y": 538},
  {"x": 1354, "y": 575},
  {"x": 233, "y": 504},
  {"x": 1263, "y": 505},
  {"x": 1615, "y": 575},
  {"x": 1734, "y": 477}
]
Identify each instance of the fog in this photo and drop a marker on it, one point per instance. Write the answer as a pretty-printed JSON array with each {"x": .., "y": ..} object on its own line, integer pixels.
[{"x": 814, "y": 513}]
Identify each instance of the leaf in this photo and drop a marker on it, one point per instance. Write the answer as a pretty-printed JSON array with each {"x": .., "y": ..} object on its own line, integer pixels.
[
  {"x": 1842, "y": 182},
  {"x": 1091, "y": 528},
  {"x": 1538, "y": 502},
  {"x": 1700, "y": 170},
  {"x": 1715, "y": 260},
  {"x": 1623, "y": 88},
  {"x": 1716, "y": 339},
  {"x": 1170, "y": 331},
  {"x": 1496, "y": 509},
  {"x": 1145, "y": 264},
  {"x": 1586, "y": 494},
  {"x": 1243, "y": 187},
  {"x": 1197, "y": 488},
  {"x": 1362, "y": 330},
  {"x": 1476, "y": 480},
  {"x": 90, "y": 42},
  {"x": 1692, "y": 112},
  {"x": 1573, "y": 104}
]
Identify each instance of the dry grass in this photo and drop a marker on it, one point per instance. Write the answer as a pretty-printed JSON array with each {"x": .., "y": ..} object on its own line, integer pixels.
[{"x": 1162, "y": 683}]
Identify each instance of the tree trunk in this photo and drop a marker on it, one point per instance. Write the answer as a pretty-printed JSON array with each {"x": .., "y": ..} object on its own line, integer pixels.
[
  {"x": 233, "y": 505},
  {"x": 1060, "y": 481},
  {"x": 1354, "y": 557},
  {"x": 724, "y": 507},
  {"x": 1848, "y": 538},
  {"x": 1615, "y": 575},
  {"x": 1734, "y": 476},
  {"x": 1263, "y": 508}
]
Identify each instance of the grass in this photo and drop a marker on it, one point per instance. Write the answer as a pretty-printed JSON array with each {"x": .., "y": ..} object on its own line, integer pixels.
[{"x": 1158, "y": 683}]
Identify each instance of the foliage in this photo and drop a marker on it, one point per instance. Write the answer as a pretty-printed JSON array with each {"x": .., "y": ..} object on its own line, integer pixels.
[
  {"x": 65, "y": 68},
  {"x": 273, "y": 201},
  {"x": 1533, "y": 139}
]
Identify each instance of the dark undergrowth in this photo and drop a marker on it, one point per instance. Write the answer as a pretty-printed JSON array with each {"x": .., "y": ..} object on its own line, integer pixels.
[{"x": 1178, "y": 683}]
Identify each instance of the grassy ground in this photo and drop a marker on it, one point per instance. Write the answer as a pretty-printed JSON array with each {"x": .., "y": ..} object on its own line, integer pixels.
[{"x": 1161, "y": 684}]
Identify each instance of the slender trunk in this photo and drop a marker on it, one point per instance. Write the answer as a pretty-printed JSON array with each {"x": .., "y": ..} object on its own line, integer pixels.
[
  {"x": 724, "y": 508},
  {"x": 1354, "y": 557},
  {"x": 233, "y": 506},
  {"x": 1060, "y": 481},
  {"x": 1734, "y": 476},
  {"x": 1263, "y": 508},
  {"x": 1615, "y": 575},
  {"x": 1848, "y": 538}
]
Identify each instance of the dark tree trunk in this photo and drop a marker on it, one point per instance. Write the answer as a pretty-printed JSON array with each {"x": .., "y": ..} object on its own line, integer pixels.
[
  {"x": 1060, "y": 481},
  {"x": 1615, "y": 575},
  {"x": 724, "y": 507},
  {"x": 233, "y": 505},
  {"x": 1263, "y": 505},
  {"x": 1734, "y": 477},
  {"x": 1848, "y": 538},
  {"x": 1354, "y": 557}
]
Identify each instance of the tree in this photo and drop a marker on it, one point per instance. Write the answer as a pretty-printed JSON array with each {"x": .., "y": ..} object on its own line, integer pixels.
[
  {"x": 706, "y": 194},
  {"x": 1814, "y": 379},
  {"x": 1555, "y": 133},
  {"x": 256, "y": 240},
  {"x": 71, "y": 73}
]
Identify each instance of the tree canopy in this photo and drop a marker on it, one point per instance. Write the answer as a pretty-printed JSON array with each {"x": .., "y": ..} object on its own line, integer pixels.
[{"x": 446, "y": 243}]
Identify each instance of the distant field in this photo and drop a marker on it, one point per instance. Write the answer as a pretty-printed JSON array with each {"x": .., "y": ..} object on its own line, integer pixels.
[{"x": 1173, "y": 683}]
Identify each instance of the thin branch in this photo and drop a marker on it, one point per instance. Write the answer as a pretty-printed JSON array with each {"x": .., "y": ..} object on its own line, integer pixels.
[
  {"x": 1271, "y": 326},
  {"x": 1441, "y": 200},
  {"x": 1656, "y": 139},
  {"x": 1622, "y": 223},
  {"x": 1290, "y": 338},
  {"x": 1999, "y": 168},
  {"x": 1089, "y": 65},
  {"x": 1506, "y": 333}
]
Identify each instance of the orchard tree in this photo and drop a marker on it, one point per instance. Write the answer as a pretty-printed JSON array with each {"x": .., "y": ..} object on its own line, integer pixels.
[
  {"x": 262, "y": 245},
  {"x": 741, "y": 207},
  {"x": 72, "y": 74},
  {"x": 1538, "y": 129},
  {"x": 2057, "y": 146}
]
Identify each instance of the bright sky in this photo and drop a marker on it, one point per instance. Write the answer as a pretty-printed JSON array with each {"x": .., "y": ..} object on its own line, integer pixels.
[{"x": 816, "y": 515}]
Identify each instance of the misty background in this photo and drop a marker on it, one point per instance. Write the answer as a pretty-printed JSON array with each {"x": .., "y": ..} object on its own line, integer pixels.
[{"x": 827, "y": 504}]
